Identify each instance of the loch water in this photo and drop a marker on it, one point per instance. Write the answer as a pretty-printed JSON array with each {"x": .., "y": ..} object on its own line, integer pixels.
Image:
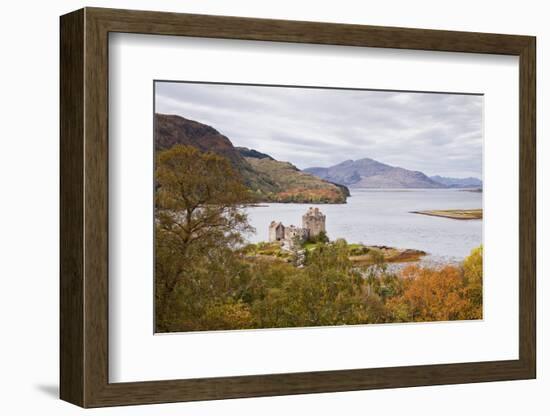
[{"x": 383, "y": 217}]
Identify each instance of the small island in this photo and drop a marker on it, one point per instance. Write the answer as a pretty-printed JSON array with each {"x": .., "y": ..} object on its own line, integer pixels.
[
  {"x": 286, "y": 243},
  {"x": 455, "y": 214}
]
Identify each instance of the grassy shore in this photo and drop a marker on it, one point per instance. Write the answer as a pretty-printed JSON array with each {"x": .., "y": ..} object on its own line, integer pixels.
[
  {"x": 359, "y": 254},
  {"x": 455, "y": 214},
  {"x": 376, "y": 254}
]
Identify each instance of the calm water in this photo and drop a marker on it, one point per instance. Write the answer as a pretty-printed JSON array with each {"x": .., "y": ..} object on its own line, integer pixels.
[{"x": 382, "y": 217}]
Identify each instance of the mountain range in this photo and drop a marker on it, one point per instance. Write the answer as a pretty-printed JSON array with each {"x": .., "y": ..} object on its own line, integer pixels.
[
  {"x": 369, "y": 173},
  {"x": 469, "y": 182}
]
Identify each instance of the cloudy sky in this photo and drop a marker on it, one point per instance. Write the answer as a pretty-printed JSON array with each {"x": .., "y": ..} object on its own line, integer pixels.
[{"x": 438, "y": 134}]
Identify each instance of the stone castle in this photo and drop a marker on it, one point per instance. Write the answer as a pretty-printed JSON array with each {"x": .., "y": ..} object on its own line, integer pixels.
[{"x": 313, "y": 222}]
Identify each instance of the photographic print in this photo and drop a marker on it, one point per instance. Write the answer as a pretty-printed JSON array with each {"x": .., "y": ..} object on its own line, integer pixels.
[{"x": 294, "y": 206}]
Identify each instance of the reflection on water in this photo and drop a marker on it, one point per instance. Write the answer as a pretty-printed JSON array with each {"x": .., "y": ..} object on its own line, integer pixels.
[{"x": 382, "y": 217}]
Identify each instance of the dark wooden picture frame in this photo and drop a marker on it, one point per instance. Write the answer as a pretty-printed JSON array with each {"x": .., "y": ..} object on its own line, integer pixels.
[{"x": 84, "y": 207}]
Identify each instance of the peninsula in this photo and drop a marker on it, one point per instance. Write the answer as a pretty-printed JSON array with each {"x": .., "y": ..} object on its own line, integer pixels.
[{"x": 455, "y": 214}]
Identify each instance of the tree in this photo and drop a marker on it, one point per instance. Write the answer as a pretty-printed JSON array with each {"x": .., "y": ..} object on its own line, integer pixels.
[
  {"x": 473, "y": 266},
  {"x": 448, "y": 293},
  {"x": 199, "y": 221},
  {"x": 473, "y": 275},
  {"x": 322, "y": 237},
  {"x": 199, "y": 196},
  {"x": 430, "y": 295},
  {"x": 229, "y": 315},
  {"x": 375, "y": 272}
]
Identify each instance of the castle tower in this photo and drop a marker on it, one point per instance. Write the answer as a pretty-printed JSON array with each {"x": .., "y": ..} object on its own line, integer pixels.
[{"x": 314, "y": 221}]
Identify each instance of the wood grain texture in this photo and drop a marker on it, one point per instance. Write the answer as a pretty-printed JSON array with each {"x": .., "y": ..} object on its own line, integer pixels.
[
  {"x": 84, "y": 207},
  {"x": 96, "y": 219},
  {"x": 71, "y": 208},
  {"x": 528, "y": 207},
  {"x": 162, "y": 23}
]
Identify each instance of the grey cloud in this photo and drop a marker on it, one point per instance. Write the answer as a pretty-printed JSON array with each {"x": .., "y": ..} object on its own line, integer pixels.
[{"x": 434, "y": 133}]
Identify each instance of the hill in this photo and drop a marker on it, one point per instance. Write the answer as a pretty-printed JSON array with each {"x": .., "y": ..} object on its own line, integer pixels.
[
  {"x": 298, "y": 186},
  {"x": 171, "y": 130},
  {"x": 268, "y": 179},
  {"x": 369, "y": 173}
]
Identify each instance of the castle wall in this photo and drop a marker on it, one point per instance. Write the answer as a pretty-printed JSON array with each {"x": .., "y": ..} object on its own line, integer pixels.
[
  {"x": 313, "y": 222},
  {"x": 292, "y": 232},
  {"x": 276, "y": 231}
]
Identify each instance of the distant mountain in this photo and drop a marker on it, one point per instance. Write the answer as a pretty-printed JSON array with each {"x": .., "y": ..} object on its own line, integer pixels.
[
  {"x": 369, "y": 173},
  {"x": 267, "y": 178},
  {"x": 469, "y": 182}
]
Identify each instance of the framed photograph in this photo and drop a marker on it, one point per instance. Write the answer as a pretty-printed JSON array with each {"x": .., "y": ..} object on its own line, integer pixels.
[{"x": 255, "y": 207}]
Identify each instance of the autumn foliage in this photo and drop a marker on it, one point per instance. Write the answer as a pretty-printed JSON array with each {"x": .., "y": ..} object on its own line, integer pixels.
[
  {"x": 432, "y": 295},
  {"x": 205, "y": 281}
]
